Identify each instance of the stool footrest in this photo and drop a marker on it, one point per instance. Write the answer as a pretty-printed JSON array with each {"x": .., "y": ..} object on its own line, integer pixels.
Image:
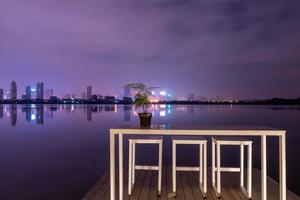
[
  {"x": 188, "y": 169},
  {"x": 229, "y": 169},
  {"x": 143, "y": 167}
]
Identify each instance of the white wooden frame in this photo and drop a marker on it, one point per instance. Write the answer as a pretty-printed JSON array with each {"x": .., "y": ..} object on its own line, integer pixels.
[
  {"x": 132, "y": 166},
  {"x": 261, "y": 132},
  {"x": 202, "y": 169},
  {"x": 216, "y": 144}
]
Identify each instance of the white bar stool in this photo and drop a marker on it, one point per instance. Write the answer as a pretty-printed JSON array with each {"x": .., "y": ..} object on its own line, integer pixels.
[
  {"x": 133, "y": 166},
  {"x": 216, "y": 143},
  {"x": 202, "y": 169}
]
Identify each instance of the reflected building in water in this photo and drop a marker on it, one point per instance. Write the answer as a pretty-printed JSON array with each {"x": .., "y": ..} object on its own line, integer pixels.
[
  {"x": 13, "y": 113},
  {"x": 89, "y": 113},
  {"x": 1, "y": 111},
  {"x": 40, "y": 114},
  {"x": 127, "y": 111}
]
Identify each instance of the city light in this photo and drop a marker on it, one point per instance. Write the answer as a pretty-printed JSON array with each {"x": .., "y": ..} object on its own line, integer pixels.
[{"x": 163, "y": 93}]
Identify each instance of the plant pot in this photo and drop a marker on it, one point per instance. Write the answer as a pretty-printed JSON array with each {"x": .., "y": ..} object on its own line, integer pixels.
[{"x": 145, "y": 120}]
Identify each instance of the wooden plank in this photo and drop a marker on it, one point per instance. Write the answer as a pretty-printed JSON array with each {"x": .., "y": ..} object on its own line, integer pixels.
[
  {"x": 187, "y": 187},
  {"x": 187, "y": 190}
]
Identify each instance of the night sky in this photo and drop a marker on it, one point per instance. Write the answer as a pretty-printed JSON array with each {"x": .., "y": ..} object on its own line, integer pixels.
[{"x": 226, "y": 48}]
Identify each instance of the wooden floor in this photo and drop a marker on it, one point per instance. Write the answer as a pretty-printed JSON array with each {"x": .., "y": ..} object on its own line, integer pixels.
[{"x": 187, "y": 187}]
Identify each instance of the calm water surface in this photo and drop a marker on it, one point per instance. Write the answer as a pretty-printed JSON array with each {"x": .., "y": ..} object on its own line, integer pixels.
[{"x": 59, "y": 152}]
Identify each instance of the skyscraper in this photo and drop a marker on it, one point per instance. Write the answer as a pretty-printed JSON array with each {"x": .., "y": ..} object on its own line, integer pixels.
[
  {"x": 49, "y": 93},
  {"x": 126, "y": 91},
  {"x": 1, "y": 94},
  {"x": 13, "y": 90},
  {"x": 40, "y": 90},
  {"x": 89, "y": 92},
  {"x": 28, "y": 92}
]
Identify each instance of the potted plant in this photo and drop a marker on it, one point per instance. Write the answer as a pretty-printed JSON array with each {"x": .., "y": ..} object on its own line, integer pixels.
[{"x": 141, "y": 102}]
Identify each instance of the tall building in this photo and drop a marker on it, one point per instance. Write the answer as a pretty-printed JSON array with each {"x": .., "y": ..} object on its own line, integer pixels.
[
  {"x": 89, "y": 92},
  {"x": 40, "y": 90},
  {"x": 28, "y": 93},
  {"x": 13, "y": 90},
  {"x": 126, "y": 91},
  {"x": 49, "y": 93},
  {"x": 1, "y": 94}
]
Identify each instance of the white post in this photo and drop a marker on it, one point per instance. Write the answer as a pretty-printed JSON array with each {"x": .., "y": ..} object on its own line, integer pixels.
[
  {"x": 264, "y": 167},
  {"x": 174, "y": 166},
  {"x": 130, "y": 168},
  {"x": 160, "y": 168},
  {"x": 112, "y": 165},
  {"x": 133, "y": 163},
  {"x": 120, "y": 166},
  {"x": 282, "y": 166},
  {"x": 218, "y": 169},
  {"x": 213, "y": 163},
  {"x": 205, "y": 168},
  {"x": 242, "y": 166},
  {"x": 200, "y": 165},
  {"x": 249, "y": 176}
]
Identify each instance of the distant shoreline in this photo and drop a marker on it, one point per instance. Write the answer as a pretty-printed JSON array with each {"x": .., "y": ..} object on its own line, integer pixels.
[{"x": 275, "y": 101}]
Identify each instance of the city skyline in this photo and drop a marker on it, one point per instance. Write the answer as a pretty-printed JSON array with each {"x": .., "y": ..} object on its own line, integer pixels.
[{"x": 242, "y": 49}]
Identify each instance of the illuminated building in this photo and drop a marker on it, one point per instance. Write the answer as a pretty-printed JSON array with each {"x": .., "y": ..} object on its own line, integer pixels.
[
  {"x": 126, "y": 91},
  {"x": 28, "y": 93},
  {"x": 13, "y": 90},
  {"x": 89, "y": 92},
  {"x": 1, "y": 94},
  {"x": 40, "y": 90}
]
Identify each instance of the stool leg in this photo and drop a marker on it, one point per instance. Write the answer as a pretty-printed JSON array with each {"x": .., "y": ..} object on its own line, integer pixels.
[
  {"x": 200, "y": 165},
  {"x": 133, "y": 163},
  {"x": 242, "y": 166},
  {"x": 218, "y": 169},
  {"x": 160, "y": 167},
  {"x": 205, "y": 168},
  {"x": 174, "y": 166},
  {"x": 213, "y": 163},
  {"x": 249, "y": 185},
  {"x": 130, "y": 168}
]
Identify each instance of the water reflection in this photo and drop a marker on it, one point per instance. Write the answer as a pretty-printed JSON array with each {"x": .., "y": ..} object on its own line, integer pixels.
[{"x": 38, "y": 113}]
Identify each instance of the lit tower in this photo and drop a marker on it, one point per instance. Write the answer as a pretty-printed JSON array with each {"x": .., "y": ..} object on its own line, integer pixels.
[
  {"x": 13, "y": 90},
  {"x": 28, "y": 92},
  {"x": 40, "y": 90},
  {"x": 89, "y": 92},
  {"x": 1, "y": 94},
  {"x": 126, "y": 91}
]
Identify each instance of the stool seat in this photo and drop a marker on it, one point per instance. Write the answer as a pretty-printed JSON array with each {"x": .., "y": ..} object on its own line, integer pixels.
[{"x": 231, "y": 140}]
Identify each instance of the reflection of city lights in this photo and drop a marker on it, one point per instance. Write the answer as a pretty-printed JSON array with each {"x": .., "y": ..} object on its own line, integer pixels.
[
  {"x": 162, "y": 113},
  {"x": 153, "y": 93},
  {"x": 33, "y": 117},
  {"x": 162, "y": 106},
  {"x": 115, "y": 108},
  {"x": 169, "y": 106},
  {"x": 169, "y": 111}
]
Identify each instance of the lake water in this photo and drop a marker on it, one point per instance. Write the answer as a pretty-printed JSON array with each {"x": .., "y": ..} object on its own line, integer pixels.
[{"x": 58, "y": 152}]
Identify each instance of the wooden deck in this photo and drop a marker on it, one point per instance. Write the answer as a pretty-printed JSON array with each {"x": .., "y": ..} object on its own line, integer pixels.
[{"x": 187, "y": 187}]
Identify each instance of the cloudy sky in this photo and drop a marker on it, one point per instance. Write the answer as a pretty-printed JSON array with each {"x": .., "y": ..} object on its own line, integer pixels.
[{"x": 227, "y": 48}]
